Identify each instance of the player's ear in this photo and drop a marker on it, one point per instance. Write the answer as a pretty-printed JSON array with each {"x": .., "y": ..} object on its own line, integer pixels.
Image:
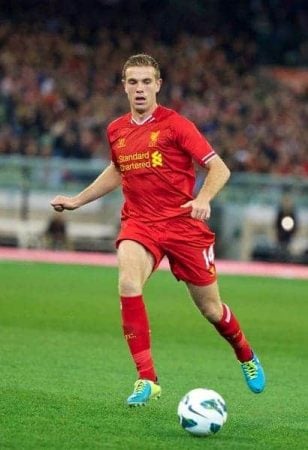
[
  {"x": 124, "y": 85},
  {"x": 158, "y": 85}
]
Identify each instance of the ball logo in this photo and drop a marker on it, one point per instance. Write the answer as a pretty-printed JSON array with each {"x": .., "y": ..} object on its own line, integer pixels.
[
  {"x": 191, "y": 409},
  {"x": 202, "y": 412},
  {"x": 218, "y": 405}
]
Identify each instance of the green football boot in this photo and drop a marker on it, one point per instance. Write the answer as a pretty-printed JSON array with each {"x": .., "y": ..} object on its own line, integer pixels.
[{"x": 144, "y": 390}]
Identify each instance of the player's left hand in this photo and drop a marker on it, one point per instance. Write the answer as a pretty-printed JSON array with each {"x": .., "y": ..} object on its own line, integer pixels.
[{"x": 199, "y": 210}]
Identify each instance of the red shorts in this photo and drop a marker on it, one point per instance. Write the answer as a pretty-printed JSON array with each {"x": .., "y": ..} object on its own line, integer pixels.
[{"x": 187, "y": 243}]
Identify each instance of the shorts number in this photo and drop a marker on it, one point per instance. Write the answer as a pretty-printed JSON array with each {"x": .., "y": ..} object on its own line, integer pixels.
[{"x": 208, "y": 255}]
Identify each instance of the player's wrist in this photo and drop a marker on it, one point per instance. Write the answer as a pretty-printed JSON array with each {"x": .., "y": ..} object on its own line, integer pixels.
[
  {"x": 204, "y": 197},
  {"x": 77, "y": 202}
]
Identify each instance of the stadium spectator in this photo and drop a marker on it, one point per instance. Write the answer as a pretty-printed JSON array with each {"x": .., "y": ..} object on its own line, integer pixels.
[
  {"x": 153, "y": 149},
  {"x": 55, "y": 89}
]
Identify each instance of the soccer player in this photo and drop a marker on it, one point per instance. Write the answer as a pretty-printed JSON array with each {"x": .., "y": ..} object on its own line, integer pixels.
[{"x": 152, "y": 152}]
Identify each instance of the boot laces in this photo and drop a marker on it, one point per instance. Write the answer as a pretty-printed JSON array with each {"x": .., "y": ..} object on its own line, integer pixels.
[
  {"x": 250, "y": 369},
  {"x": 140, "y": 385}
]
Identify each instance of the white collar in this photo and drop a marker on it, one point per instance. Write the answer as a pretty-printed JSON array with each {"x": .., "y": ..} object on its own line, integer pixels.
[{"x": 147, "y": 119}]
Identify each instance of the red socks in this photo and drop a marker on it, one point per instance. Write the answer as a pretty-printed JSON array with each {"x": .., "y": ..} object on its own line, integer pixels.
[
  {"x": 137, "y": 334},
  {"x": 229, "y": 328}
]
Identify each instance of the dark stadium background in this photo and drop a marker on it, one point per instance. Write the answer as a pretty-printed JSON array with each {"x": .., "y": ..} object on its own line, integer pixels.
[{"x": 279, "y": 27}]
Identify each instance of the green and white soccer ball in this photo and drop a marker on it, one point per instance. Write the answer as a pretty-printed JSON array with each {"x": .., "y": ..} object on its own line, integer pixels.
[{"x": 202, "y": 412}]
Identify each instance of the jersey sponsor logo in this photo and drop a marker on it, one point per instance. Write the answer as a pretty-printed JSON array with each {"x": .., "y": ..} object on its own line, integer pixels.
[
  {"x": 156, "y": 159},
  {"x": 134, "y": 157},
  {"x": 153, "y": 138},
  {"x": 121, "y": 143},
  {"x": 143, "y": 160},
  {"x": 135, "y": 166},
  {"x": 134, "y": 161}
]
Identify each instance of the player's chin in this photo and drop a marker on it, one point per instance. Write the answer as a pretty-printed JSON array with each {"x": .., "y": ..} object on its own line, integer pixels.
[{"x": 140, "y": 108}]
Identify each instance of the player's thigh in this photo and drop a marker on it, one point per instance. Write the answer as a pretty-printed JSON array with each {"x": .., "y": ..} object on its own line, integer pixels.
[
  {"x": 190, "y": 250},
  {"x": 135, "y": 261},
  {"x": 207, "y": 299}
]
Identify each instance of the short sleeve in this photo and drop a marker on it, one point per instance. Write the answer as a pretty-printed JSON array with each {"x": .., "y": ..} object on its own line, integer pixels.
[
  {"x": 111, "y": 152},
  {"x": 189, "y": 138}
]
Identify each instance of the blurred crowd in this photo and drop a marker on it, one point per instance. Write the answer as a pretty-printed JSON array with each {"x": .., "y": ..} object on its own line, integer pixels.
[{"x": 58, "y": 91}]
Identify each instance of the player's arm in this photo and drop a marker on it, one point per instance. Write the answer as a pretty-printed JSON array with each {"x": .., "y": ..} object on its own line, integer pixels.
[
  {"x": 106, "y": 182},
  {"x": 217, "y": 176}
]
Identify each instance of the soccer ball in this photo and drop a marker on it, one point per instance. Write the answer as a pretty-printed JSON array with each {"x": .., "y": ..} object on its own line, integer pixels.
[{"x": 202, "y": 412}]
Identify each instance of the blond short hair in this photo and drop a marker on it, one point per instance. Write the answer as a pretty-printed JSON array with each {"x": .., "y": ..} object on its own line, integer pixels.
[{"x": 141, "y": 60}]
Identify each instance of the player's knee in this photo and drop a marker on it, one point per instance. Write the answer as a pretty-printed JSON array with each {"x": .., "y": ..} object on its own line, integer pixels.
[{"x": 129, "y": 287}]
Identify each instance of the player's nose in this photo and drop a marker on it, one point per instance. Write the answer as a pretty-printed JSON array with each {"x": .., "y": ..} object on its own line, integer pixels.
[{"x": 139, "y": 87}]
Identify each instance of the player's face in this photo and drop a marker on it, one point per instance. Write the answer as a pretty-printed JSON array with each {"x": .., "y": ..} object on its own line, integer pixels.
[{"x": 141, "y": 87}]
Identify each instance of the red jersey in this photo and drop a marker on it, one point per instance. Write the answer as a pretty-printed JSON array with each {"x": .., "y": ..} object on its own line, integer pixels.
[{"x": 156, "y": 163}]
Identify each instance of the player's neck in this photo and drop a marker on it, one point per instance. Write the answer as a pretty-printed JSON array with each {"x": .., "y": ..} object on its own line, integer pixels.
[{"x": 140, "y": 118}]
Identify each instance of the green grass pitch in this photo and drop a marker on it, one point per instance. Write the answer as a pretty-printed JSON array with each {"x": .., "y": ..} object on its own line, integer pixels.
[{"x": 66, "y": 372}]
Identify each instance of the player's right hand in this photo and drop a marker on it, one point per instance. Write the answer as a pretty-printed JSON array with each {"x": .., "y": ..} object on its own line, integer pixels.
[{"x": 61, "y": 202}]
